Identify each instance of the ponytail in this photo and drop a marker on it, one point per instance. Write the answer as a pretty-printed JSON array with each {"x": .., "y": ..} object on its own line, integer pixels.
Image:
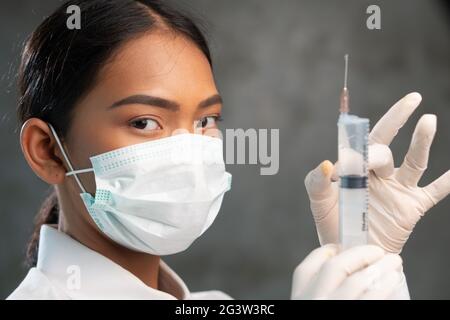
[{"x": 48, "y": 214}]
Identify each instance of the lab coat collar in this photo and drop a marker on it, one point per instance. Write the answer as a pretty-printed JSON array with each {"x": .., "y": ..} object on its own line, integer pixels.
[{"x": 61, "y": 259}]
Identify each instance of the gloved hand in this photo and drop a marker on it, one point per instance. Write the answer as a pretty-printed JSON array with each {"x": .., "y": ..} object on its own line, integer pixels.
[
  {"x": 396, "y": 202},
  {"x": 364, "y": 272}
]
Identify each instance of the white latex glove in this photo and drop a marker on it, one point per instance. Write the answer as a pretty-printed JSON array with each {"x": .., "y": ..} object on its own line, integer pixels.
[
  {"x": 364, "y": 272},
  {"x": 396, "y": 202}
]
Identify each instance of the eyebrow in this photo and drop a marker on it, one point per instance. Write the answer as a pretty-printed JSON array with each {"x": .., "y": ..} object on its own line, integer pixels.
[{"x": 164, "y": 103}]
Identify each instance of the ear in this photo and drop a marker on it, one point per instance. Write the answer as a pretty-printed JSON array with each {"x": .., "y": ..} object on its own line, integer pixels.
[{"x": 41, "y": 151}]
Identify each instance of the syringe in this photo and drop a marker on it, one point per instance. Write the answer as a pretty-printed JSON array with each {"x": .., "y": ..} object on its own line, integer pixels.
[
  {"x": 353, "y": 176},
  {"x": 345, "y": 97}
]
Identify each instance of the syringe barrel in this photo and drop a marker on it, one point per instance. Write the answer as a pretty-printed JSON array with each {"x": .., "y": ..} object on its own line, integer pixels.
[{"x": 353, "y": 180}]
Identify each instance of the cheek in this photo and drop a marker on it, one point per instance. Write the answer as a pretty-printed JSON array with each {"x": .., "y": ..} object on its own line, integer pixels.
[
  {"x": 93, "y": 131},
  {"x": 84, "y": 140},
  {"x": 79, "y": 154}
]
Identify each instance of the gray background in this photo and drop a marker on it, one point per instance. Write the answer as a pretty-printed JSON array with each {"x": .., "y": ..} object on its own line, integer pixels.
[{"x": 278, "y": 64}]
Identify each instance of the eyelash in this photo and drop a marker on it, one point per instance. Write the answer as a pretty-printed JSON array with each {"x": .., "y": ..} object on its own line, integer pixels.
[
  {"x": 134, "y": 121},
  {"x": 217, "y": 119}
]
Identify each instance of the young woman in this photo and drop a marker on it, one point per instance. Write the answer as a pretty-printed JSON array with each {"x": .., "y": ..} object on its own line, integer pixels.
[{"x": 112, "y": 115}]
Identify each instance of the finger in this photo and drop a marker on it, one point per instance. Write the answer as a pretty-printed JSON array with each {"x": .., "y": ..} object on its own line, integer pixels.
[
  {"x": 416, "y": 159},
  {"x": 335, "y": 174},
  {"x": 389, "y": 125},
  {"x": 381, "y": 160},
  {"x": 359, "y": 282},
  {"x": 310, "y": 266},
  {"x": 318, "y": 181},
  {"x": 437, "y": 190},
  {"x": 323, "y": 195},
  {"x": 338, "y": 268},
  {"x": 384, "y": 288}
]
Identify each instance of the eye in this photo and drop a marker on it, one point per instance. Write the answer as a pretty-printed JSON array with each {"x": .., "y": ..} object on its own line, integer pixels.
[
  {"x": 208, "y": 122},
  {"x": 145, "y": 124}
]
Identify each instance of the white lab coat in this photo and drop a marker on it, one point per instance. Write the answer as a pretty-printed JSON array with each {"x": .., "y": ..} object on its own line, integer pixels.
[{"x": 66, "y": 269}]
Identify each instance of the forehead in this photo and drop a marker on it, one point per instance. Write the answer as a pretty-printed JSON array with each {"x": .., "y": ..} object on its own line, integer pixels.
[{"x": 159, "y": 61}]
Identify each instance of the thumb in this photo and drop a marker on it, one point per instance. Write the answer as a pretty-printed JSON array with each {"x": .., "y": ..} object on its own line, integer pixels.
[
  {"x": 323, "y": 195},
  {"x": 318, "y": 182}
]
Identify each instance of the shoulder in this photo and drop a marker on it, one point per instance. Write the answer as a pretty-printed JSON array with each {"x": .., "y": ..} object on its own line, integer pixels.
[
  {"x": 36, "y": 286},
  {"x": 209, "y": 295}
]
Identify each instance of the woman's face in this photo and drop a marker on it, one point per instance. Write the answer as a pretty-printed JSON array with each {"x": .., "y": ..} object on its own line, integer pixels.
[{"x": 154, "y": 86}]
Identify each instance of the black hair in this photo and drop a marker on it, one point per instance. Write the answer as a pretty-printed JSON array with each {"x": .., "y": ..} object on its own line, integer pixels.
[{"x": 59, "y": 65}]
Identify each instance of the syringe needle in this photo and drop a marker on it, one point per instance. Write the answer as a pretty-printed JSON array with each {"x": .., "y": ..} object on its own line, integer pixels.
[
  {"x": 346, "y": 71},
  {"x": 344, "y": 108}
]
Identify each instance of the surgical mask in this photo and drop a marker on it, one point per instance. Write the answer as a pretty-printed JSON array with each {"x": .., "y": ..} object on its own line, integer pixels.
[{"x": 159, "y": 196}]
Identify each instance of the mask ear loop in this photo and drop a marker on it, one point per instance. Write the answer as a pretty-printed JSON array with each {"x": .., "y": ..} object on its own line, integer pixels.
[{"x": 66, "y": 158}]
